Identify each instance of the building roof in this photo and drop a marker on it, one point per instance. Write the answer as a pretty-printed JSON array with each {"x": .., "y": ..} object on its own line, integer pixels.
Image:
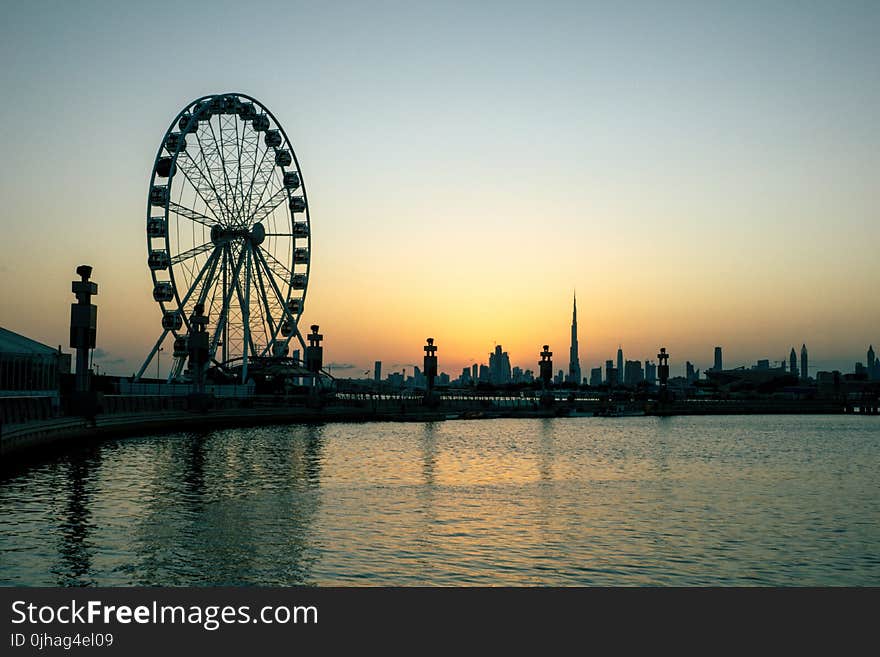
[{"x": 14, "y": 343}]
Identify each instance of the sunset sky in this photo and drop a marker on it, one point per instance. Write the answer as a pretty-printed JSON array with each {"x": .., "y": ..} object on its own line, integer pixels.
[{"x": 702, "y": 173}]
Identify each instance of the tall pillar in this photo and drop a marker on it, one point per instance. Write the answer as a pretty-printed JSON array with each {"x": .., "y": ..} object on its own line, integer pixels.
[
  {"x": 545, "y": 369},
  {"x": 663, "y": 373},
  {"x": 314, "y": 357},
  {"x": 83, "y": 325},
  {"x": 430, "y": 364}
]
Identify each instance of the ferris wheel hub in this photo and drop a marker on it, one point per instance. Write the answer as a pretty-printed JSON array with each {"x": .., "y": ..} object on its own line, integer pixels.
[{"x": 224, "y": 235}]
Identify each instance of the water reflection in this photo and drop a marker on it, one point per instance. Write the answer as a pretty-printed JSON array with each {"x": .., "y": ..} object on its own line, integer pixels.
[
  {"x": 739, "y": 500},
  {"x": 224, "y": 505},
  {"x": 546, "y": 450},
  {"x": 74, "y": 549}
]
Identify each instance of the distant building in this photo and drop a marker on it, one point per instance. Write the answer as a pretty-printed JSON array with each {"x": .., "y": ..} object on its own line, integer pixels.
[
  {"x": 484, "y": 374},
  {"x": 443, "y": 379},
  {"x": 465, "y": 379},
  {"x": 499, "y": 367},
  {"x": 763, "y": 364},
  {"x": 691, "y": 374},
  {"x": 873, "y": 365},
  {"x": 632, "y": 373},
  {"x": 619, "y": 362},
  {"x": 595, "y": 377},
  {"x": 718, "y": 366},
  {"x": 377, "y": 371},
  {"x": 792, "y": 362},
  {"x": 528, "y": 376},
  {"x": 650, "y": 373},
  {"x": 517, "y": 375},
  {"x": 418, "y": 378},
  {"x": 609, "y": 369},
  {"x": 474, "y": 374},
  {"x": 805, "y": 372},
  {"x": 574, "y": 363}
]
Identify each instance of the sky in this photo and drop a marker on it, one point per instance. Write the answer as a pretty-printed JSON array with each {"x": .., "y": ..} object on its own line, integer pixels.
[{"x": 701, "y": 173}]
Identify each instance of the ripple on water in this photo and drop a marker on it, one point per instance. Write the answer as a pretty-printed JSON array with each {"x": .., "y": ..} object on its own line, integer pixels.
[{"x": 584, "y": 501}]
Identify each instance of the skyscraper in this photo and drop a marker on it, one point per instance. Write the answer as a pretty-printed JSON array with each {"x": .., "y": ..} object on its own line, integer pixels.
[
  {"x": 718, "y": 363},
  {"x": 574, "y": 364},
  {"x": 377, "y": 371},
  {"x": 650, "y": 372},
  {"x": 610, "y": 374},
  {"x": 619, "y": 362},
  {"x": 872, "y": 362},
  {"x": 792, "y": 362},
  {"x": 632, "y": 374},
  {"x": 499, "y": 366},
  {"x": 804, "y": 371}
]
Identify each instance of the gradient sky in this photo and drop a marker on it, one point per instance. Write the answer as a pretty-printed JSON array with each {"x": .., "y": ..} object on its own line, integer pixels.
[{"x": 703, "y": 173}]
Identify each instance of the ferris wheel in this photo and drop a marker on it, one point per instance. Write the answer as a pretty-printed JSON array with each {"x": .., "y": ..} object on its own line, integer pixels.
[{"x": 228, "y": 234}]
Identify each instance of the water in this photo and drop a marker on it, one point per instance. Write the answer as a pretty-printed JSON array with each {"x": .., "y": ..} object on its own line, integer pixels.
[{"x": 778, "y": 500}]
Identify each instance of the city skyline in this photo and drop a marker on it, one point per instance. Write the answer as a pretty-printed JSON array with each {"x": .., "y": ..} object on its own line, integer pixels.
[
  {"x": 703, "y": 175},
  {"x": 479, "y": 371}
]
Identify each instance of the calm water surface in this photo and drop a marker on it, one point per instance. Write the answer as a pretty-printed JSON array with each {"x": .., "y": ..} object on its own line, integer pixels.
[{"x": 580, "y": 501}]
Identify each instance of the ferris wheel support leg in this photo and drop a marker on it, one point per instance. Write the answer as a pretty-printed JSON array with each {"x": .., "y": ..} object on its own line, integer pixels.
[
  {"x": 150, "y": 357},
  {"x": 246, "y": 313}
]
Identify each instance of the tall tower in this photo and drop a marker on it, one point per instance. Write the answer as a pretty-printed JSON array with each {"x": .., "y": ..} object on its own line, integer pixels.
[
  {"x": 804, "y": 371},
  {"x": 574, "y": 364},
  {"x": 718, "y": 362},
  {"x": 792, "y": 362},
  {"x": 871, "y": 360},
  {"x": 619, "y": 363}
]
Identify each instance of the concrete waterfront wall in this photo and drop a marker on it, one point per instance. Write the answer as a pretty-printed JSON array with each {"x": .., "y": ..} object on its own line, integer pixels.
[
  {"x": 745, "y": 407},
  {"x": 69, "y": 432},
  {"x": 145, "y": 415}
]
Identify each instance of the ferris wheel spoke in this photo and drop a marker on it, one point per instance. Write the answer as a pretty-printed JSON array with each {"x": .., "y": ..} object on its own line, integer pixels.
[
  {"x": 223, "y": 167},
  {"x": 239, "y": 148},
  {"x": 210, "y": 262},
  {"x": 278, "y": 263},
  {"x": 200, "y": 185},
  {"x": 262, "y": 174},
  {"x": 221, "y": 201},
  {"x": 191, "y": 214},
  {"x": 246, "y": 197},
  {"x": 269, "y": 206},
  {"x": 269, "y": 177},
  {"x": 260, "y": 254},
  {"x": 192, "y": 253},
  {"x": 272, "y": 332}
]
